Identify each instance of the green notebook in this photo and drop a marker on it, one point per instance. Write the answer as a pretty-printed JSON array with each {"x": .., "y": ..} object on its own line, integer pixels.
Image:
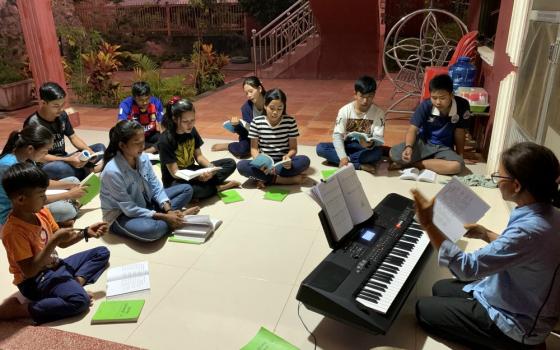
[
  {"x": 266, "y": 340},
  {"x": 114, "y": 311},
  {"x": 230, "y": 196},
  {"x": 325, "y": 174},
  {"x": 276, "y": 194},
  {"x": 183, "y": 239},
  {"x": 93, "y": 185}
]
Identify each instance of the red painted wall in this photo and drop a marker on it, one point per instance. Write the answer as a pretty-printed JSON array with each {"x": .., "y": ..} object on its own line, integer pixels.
[
  {"x": 350, "y": 39},
  {"x": 501, "y": 67}
]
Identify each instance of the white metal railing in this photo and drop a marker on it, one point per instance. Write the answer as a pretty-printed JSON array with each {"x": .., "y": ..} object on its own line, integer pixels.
[{"x": 281, "y": 36}]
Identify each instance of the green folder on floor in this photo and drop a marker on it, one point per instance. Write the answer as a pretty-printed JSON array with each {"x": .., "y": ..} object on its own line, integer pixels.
[
  {"x": 276, "y": 194},
  {"x": 115, "y": 311},
  {"x": 92, "y": 188},
  {"x": 230, "y": 196},
  {"x": 325, "y": 174},
  {"x": 266, "y": 340}
]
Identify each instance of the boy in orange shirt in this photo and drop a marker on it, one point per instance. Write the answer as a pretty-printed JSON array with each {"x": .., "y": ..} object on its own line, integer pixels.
[{"x": 30, "y": 236}]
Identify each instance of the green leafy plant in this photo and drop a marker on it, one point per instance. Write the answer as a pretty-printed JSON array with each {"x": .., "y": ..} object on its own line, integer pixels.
[
  {"x": 145, "y": 69},
  {"x": 207, "y": 66},
  {"x": 10, "y": 73},
  {"x": 99, "y": 68}
]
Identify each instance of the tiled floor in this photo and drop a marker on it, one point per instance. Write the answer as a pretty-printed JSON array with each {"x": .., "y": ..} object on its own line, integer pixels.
[
  {"x": 218, "y": 294},
  {"x": 314, "y": 103}
]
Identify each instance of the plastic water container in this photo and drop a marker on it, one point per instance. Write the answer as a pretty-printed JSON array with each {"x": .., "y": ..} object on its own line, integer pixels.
[{"x": 463, "y": 73}]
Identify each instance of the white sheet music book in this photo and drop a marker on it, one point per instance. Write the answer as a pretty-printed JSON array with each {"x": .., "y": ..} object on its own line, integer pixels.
[
  {"x": 456, "y": 205},
  {"x": 343, "y": 200},
  {"x": 128, "y": 278}
]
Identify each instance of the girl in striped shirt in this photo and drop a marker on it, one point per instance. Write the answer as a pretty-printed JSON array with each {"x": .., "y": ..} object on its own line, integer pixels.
[{"x": 275, "y": 134}]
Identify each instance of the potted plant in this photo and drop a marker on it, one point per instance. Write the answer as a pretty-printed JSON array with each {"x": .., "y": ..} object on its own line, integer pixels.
[{"x": 15, "y": 87}]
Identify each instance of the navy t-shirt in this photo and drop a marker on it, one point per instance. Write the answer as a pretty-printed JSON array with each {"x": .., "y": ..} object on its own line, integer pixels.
[
  {"x": 177, "y": 148},
  {"x": 60, "y": 127},
  {"x": 437, "y": 129}
]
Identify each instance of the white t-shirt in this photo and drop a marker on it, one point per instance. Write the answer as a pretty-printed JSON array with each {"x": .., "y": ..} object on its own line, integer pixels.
[{"x": 348, "y": 120}]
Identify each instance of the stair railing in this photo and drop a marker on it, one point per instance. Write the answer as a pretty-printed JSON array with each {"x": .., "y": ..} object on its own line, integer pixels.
[{"x": 281, "y": 36}]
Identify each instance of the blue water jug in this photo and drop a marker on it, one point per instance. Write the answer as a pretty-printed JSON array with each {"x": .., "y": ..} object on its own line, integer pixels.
[{"x": 463, "y": 73}]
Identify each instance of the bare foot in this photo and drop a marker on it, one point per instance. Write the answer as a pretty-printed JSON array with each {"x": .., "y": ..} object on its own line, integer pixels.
[
  {"x": 80, "y": 280},
  {"x": 220, "y": 147},
  {"x": 227, "y": 185},
  {"x": 370, "y": 168},
  {"x": 11, "y": 309},
  {"x": 261, "y": 185},
  {"x": 191, "y": 211},
  {"x": 90, "y": 295},
  {"x": 292, "y": 180}
]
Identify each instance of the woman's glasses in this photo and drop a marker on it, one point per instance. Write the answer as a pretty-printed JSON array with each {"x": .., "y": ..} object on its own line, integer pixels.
[{"x": 496, "y": 177}]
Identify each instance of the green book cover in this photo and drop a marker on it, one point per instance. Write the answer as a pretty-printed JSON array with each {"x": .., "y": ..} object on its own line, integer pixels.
[
  {"x": 114, "y": 311},
  {"x": 189, "y": 240},
  {"x": 92, "y": 188},
  {"x": 266, "y": 340},
  {"x": 276, "y": 194},
  {"x": 230, "y": 196},
  {"x": 325, "y": 174}
]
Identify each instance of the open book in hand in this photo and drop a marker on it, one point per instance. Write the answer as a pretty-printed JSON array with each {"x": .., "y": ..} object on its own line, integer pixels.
[
  {"x": 357, "y": 136},
  {"x": 91, "y": 185},
  {"x": 91, "y": 157},
  {"x": 343, "y": 200},
  {"x": 188, "y": 175},
  {"x": 456, "y": 205},
  {"x": 416, "y": 175},
  {"x": 265, "y": 162},
  {"x": 230, "y": 127},
  {"x": 196, "y": 229},
  {"x": 128, "y": 278}
]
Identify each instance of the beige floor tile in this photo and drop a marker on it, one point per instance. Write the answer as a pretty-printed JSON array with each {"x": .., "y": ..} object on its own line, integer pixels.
[
  {"x": 163, "y": 278},
  {"x": 212, "y": 311}
]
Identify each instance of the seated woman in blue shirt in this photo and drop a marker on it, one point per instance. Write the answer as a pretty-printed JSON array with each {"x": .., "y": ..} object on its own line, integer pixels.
[
  {"x": 133, "y": 199},
  {"x": 506, "y": 294}
]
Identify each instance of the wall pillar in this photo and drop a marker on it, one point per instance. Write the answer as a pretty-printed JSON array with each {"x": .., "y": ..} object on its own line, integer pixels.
[{"x": 39, "y": 32}]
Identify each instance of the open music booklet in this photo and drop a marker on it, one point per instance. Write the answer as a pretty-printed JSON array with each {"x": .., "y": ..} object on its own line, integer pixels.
[
  {"x": 266, "y": 161},
  {"x": 92, "y": 186},
  {"x": 343, "y": 200},
  {"x": 196, "y": 229},
  {"x": 188, "y": 175},
  {"x": 357, "y": 136},
  {"x": 416, "y": 175},
  {"x": 456, "y": 205},
  {"x": 128, "y": 279}
]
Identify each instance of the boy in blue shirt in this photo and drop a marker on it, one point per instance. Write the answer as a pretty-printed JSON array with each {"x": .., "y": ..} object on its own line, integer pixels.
[
  {"x": 435, "y": 139},
  {"x": 145, "y": 109}
]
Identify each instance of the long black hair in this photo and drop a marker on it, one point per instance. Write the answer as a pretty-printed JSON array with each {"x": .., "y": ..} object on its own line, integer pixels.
[
  {"x": 123, "y": 131},
  {"x": 32, "y": 135},
  {"x": 276, "y": 94},
  {"x": 537, "y": 170},
  {"x": 175, "y": 109},
  {"x": 255, "y": 83}
]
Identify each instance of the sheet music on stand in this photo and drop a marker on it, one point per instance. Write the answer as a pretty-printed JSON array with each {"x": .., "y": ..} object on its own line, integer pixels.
[{"x": 343, "y": 201}]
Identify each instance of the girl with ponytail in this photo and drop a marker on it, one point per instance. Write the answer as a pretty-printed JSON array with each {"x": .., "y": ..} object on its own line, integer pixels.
[
  {"x": 32, "y": 144},
  {"x": 179, "y": 148},
  {"x": 133, "y": 201}
]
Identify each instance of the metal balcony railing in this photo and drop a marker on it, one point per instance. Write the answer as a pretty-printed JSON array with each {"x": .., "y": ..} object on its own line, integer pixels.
[{"x": 281, "y": 36}]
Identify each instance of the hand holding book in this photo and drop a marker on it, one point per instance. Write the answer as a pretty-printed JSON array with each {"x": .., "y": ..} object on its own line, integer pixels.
[{"x": 265, "y": 163}]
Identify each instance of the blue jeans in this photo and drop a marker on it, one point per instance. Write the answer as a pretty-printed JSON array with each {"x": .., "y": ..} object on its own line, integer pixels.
[
  {"x": 356, "y": 153},
  {"x": 55, "y": 293},
  {"x": 149, "y": 229},
  {"x": 64, "y": 210},
  {"x": 240, "y": 149},
  {"x": 60, "y": 169},
  {"x": 299, "y": 165}
]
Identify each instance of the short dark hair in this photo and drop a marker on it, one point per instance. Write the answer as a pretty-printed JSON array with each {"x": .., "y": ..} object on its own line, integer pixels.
[
  {"x": 536, "y": 168},
  {"x": 51, "y": 91},
  {"x": 22, "y": 177},
  {"x": 365, "y": 85},
  {"x": 141, "y": 88},
  {"x": 441, "y": 82}
]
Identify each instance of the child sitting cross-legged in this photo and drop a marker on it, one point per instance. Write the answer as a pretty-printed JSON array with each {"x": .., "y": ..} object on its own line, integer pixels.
[
  {"x": 31, "y": 236},
  {"x": 275, "y": 134}
]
